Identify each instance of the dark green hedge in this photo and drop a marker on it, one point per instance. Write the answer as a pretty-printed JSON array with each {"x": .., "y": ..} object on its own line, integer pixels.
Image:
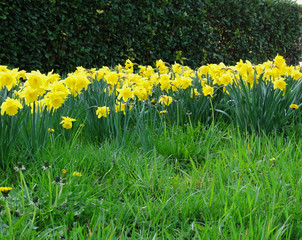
[{"x": 60, "y": 35}]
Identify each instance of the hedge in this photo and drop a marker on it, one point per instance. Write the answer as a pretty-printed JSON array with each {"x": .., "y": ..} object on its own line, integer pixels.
[{"x": 61, "y": 35}]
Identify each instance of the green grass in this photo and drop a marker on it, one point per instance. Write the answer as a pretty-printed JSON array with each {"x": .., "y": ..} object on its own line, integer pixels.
[{"x": 186, "y": 183}]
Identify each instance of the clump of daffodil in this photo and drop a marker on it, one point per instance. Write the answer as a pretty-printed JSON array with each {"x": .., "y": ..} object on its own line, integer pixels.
[
  {"x": 67, "y": 122},
  {"x": 102, "y": 111}
]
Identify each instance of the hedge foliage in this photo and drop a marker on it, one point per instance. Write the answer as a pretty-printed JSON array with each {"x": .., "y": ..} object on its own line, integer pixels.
[{"x": 60, "y": 34}]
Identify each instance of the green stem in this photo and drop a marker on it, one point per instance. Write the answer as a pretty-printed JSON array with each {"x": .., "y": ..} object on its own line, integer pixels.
[
  {"x": 56, "y": 199},
  {"x": 49, "y": 187},
  {"x": 22, "y": 192},
  {"x": 34, "y": 215},
  {"x": 33, "y": 128},
  {"x": 11, "y": 229},
  {"x": 24, "y": 184},
  {"x": 213, "y": 121}
]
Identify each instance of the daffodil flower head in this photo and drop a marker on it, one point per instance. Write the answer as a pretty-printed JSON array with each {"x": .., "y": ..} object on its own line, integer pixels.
[
  {"x": 208, "y": 90},
  {"x": 67, "y": 122},
  {"x": 165, "y": 100},
  {"x": 280, "y": 83},
  {"x": 102, "y": 111},
  {"x": 10, "y": 106},
  {"x": 125, "y": 93}
]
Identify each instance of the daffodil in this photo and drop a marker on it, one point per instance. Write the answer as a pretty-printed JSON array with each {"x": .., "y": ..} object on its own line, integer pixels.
[
  {"x": 67, "y": 122},
  {"x": 280, "y": 83},
  {"x": 102, "y": 111},
  {"x": 10, "y": 106},
  {"x": 125, "y": 93},
  {"x": 165, "y": 100},
  {"x": 207, "y": 90},
  {"x": 8, "y": 79}
]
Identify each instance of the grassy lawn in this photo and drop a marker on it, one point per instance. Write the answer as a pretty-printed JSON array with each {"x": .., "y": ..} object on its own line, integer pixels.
[{"x": 192, "y": 183}]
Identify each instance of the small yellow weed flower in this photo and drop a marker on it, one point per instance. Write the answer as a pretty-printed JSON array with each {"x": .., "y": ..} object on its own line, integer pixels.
[
  {"x": 5, "y": 191},
  {"x": 77, "y": 174},
  {"x": 51, "y": 130},
  {"x": 272, "y": 159},
  {"x": 67, "y": 122},
  {"x": 64, "y": 171},
  {"x": 294, "y": 106}
]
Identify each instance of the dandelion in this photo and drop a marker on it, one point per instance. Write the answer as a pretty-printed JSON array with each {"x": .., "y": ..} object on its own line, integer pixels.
[
  {"x": 294, "y": 106},
  {"x": 5, "y": 191},
  {"x": 51, "y": 130},
  {"x": 64, "y": 171},
  {"x": 35, "y": 199},
  {"x": 77, "y": 174},
  {"x": 46, "y": 165},
  {"x": 19, "y": 167},
  {"x": 57, "y": 180}
]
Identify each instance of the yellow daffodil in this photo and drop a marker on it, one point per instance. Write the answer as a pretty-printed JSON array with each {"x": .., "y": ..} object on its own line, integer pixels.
[
  {"x": 207, "y": 90},
  {"x": 165, "y": 100},
  {"x": 67, "y": 122},
  {"x": 125, "y": 93},
  {"x": 102, "y": 111},
  {"x": 10, "y": 106},
  {"x": 280, "y": 84}
]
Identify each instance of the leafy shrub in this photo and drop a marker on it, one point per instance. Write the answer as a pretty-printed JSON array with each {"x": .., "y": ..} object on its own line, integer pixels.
[{"x": 61, "y": 35}]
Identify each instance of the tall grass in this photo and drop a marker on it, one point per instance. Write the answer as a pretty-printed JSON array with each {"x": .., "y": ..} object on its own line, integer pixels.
[{"x": 195, "y": 183}]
